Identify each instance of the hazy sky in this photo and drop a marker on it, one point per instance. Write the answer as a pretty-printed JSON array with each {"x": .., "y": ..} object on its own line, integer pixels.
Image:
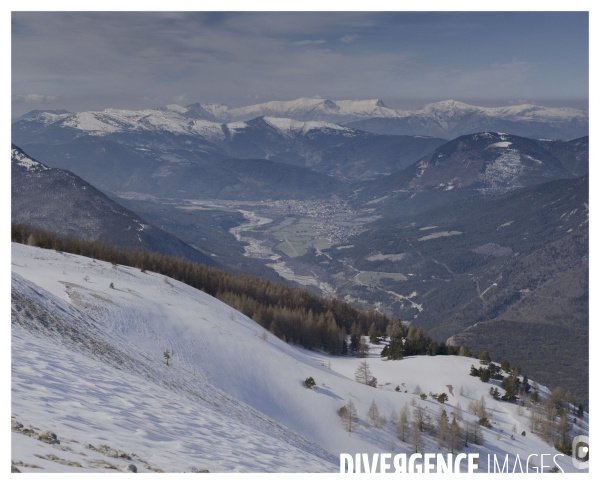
[{"x": 82, "y": 61}]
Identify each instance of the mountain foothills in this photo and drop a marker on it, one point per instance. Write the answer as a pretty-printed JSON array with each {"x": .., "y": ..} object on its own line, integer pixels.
[
  {"x": 157, "y": 150},
  {"x": 504, "y": 272},
  {"x": 469, "y": 224},
  {"x": 58, "y": 200}
]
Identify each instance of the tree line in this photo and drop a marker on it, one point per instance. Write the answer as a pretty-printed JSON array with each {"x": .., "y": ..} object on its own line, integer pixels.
[{"x": 294, "y": 315}]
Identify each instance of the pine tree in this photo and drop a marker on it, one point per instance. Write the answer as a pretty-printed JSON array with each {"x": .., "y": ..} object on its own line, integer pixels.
[
  {"x": 309, "y": 382},
  {"x": 511, "y": 387}
]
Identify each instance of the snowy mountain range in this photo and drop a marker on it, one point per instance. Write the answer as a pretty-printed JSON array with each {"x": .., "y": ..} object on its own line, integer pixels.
[
  {"x": 303, "y": 109},
  {"x": 445, "y": 119},
  {"x": 153, "y": 151},
  {"x": 449, "y": 119},
  {"x": 91, "y": 389}
]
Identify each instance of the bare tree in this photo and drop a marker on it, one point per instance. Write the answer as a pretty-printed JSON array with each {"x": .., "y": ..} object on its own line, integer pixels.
[
  {"x": 373, "y": 415},
  {"x": 402, "y": 426},
  {"x": 564, "y": 427},
  {"x": 454, "y": 435},
  {"x": 443, "y": 428},
  {"x": 419, "y": 417},
  {"x": 349, "y": 416},
  {"x": 363, "y": 373},
  {"x": 457, "y": 412},
  {"x": 416, "y": 435},
  {"x": 363, "y": 348}
]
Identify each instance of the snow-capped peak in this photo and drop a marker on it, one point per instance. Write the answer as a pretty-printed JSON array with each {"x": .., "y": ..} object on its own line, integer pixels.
[{"x": 19, "y": 158}]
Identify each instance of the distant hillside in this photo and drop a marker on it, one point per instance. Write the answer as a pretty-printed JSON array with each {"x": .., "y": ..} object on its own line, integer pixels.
[
  {"x": 472, "y": 164},
  {"x": 520, "y": 258},
  {"x": 58, "y": 200},
  {"x": 119, "y": 150}
]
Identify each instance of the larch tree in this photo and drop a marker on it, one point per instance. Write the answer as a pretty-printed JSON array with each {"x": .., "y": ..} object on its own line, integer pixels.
[
  {"x": 363, "y": 373},
  {"x": 416, "y": 435},
  {"x": 373, "y": 415},
  {"x": 443, "y": 428},
  {"x": 402, "y": 426},
  {"x": 350, "y": 417},
  {"x": 454, "y": 435}
]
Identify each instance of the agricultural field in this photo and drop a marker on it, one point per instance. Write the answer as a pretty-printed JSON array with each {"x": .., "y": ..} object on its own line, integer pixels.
[
  {"x": 297, "y": 235},
  {"x": 375, "y": 278}
]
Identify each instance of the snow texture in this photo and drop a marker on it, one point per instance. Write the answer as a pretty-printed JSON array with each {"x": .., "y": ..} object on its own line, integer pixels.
[{"x": 87, "y": 365}]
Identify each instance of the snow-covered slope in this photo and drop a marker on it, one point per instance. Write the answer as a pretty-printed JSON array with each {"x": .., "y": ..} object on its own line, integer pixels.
[
  {"x": 88, "y": 366},
  {"x": 171, "y": 119}
]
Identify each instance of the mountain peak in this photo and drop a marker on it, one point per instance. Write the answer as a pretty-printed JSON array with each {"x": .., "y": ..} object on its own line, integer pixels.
[{"x": 448, "y": 105}]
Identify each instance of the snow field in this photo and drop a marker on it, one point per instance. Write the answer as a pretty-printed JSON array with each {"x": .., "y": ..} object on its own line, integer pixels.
[{"x": 102, "y": 377}]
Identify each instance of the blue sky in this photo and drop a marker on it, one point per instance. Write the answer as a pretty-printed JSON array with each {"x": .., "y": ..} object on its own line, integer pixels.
[{"x": 96, "y": 60}]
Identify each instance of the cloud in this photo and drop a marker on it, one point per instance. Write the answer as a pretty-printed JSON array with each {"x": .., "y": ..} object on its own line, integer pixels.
[
  {"x": 309, "y": 42},
  {"x": 134, "y": 60},
  {"x": 32, "y": 98}
]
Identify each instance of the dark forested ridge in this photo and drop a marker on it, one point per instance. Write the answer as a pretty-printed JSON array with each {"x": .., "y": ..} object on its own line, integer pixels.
[{"x": 60, "y": 201}]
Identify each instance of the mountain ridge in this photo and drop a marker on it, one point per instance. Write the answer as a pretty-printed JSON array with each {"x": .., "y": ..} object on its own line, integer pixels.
[{"x": 58, "y": 200}]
